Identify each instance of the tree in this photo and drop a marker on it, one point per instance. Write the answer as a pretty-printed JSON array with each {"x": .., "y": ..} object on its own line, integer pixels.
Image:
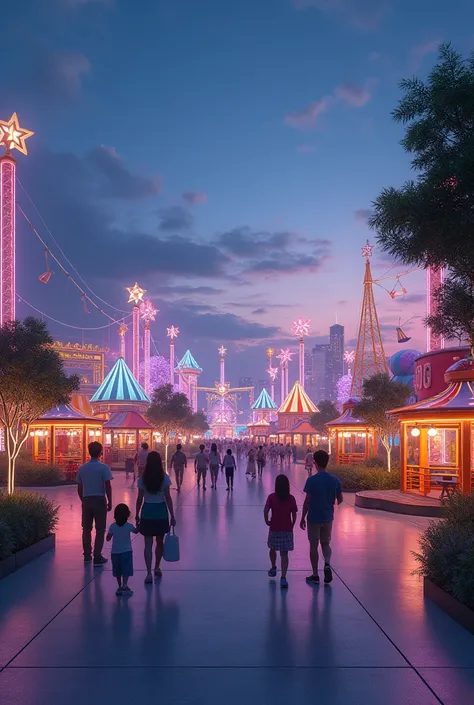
[
  {"x": 429, "y": 221},
  {"x": 197, "y": 423},
  {"x": 169, "y": 412},
  {"x": 454, "y": 317},
  {"x": 32, "y": 381},
  {"x": 327, "y": 412},
  {"x": 380, "y": 395}
]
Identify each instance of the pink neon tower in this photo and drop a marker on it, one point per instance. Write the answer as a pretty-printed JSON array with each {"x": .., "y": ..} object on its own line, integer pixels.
[
  {"x": 136, "y": 297},
  {"x": 122, "y": 331},
  {"x": 12, "y": 136},
  {"x": 301, "y": 328},
  {"x": 434, "y": 279},
  {"x": 148, "y": 313},
  {"x": 172, "y": 333}
]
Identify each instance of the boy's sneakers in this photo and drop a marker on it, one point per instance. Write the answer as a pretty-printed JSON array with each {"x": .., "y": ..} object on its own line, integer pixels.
[
  {"x": 87, "y": 559},
  {"x": 149, "y": 579},
  {"x": 327, "y": 573},
  {"x": 283, "y": 583},
  {"x": 313, "y": 579},
  {"x": 272, "y": 573},
  {"x": 126, "y": 592},
  {"x": 119, "y": 591},
  {"x": 100, "y": 560}
]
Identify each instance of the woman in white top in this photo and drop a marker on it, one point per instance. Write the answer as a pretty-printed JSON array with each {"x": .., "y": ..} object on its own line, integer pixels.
[
  {"x": 308, "y": 462},
  {"x": 157, "y": 513},
  {"x": 214, "y": 463}
]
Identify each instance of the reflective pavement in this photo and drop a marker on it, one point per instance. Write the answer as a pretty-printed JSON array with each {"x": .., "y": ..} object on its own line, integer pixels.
[{"x": 217, "y": 630}]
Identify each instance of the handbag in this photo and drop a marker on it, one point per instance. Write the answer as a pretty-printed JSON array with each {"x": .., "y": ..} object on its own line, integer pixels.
[{"x": 171, "y": 547}]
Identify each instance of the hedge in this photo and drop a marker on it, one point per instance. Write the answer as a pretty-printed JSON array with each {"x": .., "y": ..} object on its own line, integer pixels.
[
  {"x": 25, "y": 519},
  {"x": 31, "y": 474},
  {"x": 360, "y": 477}
]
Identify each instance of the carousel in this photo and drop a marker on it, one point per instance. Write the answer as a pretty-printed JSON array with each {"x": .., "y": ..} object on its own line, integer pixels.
[{"x": 293, "y": 418}]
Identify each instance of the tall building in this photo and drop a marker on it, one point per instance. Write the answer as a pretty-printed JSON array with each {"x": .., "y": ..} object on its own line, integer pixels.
[
  {"x": 245, "y": 382},
  {"x": 316, "y": 372},
  {"x": 334, "y": 360}
]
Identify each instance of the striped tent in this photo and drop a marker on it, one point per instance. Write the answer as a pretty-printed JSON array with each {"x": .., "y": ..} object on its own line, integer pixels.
[
  {"x": 298, "y": 402},
  {"x": 120, "y": 386},
  {"x": 263, "y": 401}
]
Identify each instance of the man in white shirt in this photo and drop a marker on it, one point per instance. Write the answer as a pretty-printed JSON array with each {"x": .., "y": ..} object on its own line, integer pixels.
[
  {"x": 95, "y": 492},
  {"x": 179, "y": 463}
]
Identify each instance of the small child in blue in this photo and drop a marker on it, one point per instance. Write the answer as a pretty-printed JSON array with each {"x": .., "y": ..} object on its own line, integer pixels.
[{"x": 122, "y": 556}]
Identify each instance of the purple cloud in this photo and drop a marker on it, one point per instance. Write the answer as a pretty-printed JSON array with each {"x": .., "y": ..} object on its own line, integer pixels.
[
  {"x": 194, "y": 197},
  {"x": 363, "y": 14},
  {"x": 353, "y": 94},
  {"x": 308, "y": 116},
  {"x": 175, "y": 218},
  {"x": 419, "y": 51},
  {"x": 363, "y": 214},
  {"x": 118, "y": 181}
]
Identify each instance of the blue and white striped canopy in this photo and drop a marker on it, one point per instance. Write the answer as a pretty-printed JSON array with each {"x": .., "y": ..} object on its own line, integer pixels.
[
  {"x": 120, "y": 385},
  {"x": 263, "y": 401},
  {"x": 188, "y": 362}
]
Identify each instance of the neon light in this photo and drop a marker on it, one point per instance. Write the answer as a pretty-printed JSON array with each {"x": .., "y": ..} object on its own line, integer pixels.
[
  {"x": 301, "y": 327},
  {"x": 172, "y": 333},
  {"x": 434, "y": 279},
  {"x": 7, "y": 235},
  {"x": 12, "y": 136},
  {"x": 136, "y": 341},
  {"x": 148, "y": 313},
  {"x": 122, "y": 331},
  {"x": 135, "y": 293}
]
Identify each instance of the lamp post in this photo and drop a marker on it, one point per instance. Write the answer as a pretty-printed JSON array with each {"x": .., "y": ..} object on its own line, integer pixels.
[
  {"x": 136, "y": 297},
  {"x": 172, "y": 333},
  {"x": 300, "y": 328},
  {"x": 148, "y": 313}
]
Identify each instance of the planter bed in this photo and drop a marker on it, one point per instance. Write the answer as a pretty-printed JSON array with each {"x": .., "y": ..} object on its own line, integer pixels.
[
  {"x": 18, "y": 560},
  {"x": 455, "y": 609}
]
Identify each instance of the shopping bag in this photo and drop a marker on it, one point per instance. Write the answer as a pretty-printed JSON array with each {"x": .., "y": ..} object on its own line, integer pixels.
[{"x": 171, "y": 547}]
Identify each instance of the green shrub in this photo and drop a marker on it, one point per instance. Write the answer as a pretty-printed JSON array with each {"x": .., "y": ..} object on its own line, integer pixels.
[
  {"x": 30, "y": 474},
  {"x": 6, "y": 540},
  {"x": 28, "y": 517},
  {"x": 360, "y": 477},
  {"x": 446, "y": 555}
]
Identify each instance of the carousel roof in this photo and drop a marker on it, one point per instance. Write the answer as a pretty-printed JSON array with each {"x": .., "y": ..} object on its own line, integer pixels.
[
  {"x": 188, "y": 362},
  {"x": 303, "y": 427},
  {"x": 459, "y": 395},
  {"x": 263, "y": 401},
  {"x": 67, "y": 413},
  {"x": 347, "y": 417},
  {"x": 120, "y": 386},
  {"x": 127, "y": 419},
  {"x": 263, "y": 422},
  {"x": 298, "y": 402}
]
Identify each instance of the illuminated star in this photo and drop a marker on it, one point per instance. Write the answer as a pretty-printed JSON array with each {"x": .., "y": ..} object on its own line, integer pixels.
[
  {"x": 148, "y": 311},
  {"x": 301, "y": 327},
  {"x": 367, "y": 250},
  {"x": 123, "y": 329},
  {"x": 172, "y": 332},
  {"x": 12, "y": 136},
  {"x": 285, "y": 356},
  {"x": 273, "y": 372},
  {"x": 270, "y": 353},
  {"x": 136, "y": 293},
  {"x": 349, "y": 356},
  {"x": 222, "y": 351}
]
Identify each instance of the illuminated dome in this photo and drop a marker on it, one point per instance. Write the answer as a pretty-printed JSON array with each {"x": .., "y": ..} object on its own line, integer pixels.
[{"x": 460, "y": 371}]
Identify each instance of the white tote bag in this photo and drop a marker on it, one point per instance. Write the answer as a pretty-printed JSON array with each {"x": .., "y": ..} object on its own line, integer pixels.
[{"x": 171, "y": 547}]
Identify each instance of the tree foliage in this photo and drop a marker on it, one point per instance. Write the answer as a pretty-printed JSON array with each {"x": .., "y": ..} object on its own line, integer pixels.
[
  {"x": 169, "y": 412},
  {"x": 327, "y": 412},
  {"x": 380, "y": 395},
  {"x": 429, "y": 221},
  {"x": 32, "y": 381},
  {"x": 198, "y": 423}
]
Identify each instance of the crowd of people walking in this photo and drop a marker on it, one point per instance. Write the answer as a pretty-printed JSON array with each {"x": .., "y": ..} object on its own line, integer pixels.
[{"x": 154, "y": 510}]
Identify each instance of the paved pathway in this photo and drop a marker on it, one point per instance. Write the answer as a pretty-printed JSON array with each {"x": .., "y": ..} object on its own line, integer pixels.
[{"x": 218, "y": 631}]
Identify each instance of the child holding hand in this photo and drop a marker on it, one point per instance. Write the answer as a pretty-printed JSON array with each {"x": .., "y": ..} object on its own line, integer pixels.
[
  {"x": 122, "y": 556},
  {"x": 280, "y": 515}
]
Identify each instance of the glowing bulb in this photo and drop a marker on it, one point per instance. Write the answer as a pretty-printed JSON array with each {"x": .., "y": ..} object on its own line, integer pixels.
[
  {"x": 97, "y": 433},
  {"x": 432, "y": 432},
  {"x": 91, "y": 433},
  {"x": 415, "y": 432}
]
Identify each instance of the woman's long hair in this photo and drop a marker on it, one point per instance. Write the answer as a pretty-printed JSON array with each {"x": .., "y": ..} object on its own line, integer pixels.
[
  {"x": 154, "y": 474},
  {"x": 282, "y": 487},
  {"x": 214, "y": 448}
]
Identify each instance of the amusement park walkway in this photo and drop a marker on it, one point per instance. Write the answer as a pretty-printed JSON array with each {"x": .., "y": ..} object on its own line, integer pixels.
[{"x": 217, "y": 631}]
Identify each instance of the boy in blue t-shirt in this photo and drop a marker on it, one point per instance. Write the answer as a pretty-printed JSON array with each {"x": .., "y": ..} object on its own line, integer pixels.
[{"x": 322, "y": 491}]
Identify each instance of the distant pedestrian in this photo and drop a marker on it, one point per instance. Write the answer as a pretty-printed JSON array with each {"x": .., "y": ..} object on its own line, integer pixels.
[
  {"x": 280, "y": 515},
  {"x": 95, "y": 492},
  {"x": 201, "y": 461},
  {"x": 251, "y": 462},
  {"x": 214, "y": 465},
  {"x": 261, "y": 460},
  {"x": 229, "y": 465},
  {"x": 179, "y": 462},
  {"x": 294, "y": 452},
  {"x": 281, "y": 453},
  {"x": 122, "y": 556},
  {"x": 157, "y": 513},
  {"x": 308, "y": 462},
  {"x": 322, "y": 491},
  {"x": 140, "y": 459}
]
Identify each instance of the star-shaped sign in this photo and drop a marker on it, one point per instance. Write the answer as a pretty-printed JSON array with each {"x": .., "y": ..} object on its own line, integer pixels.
[
  {"x": 222, "y": 351},
  {"x": 349, "y": 356},
  {"x": 12, "y": 136},
  {"x": 273, "y": 372},
  {"x": 123, "y": 329},
  {"x": 301, "y": 327},
  {"x": 285, "y": 356},
  {"x": 270, "y": 353},
  {"x": 172, "y": 332},
  {"x": 148, "y": 311},
  {"x": 135, "y": 294},
  {"x": 367, "y": 250}
]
